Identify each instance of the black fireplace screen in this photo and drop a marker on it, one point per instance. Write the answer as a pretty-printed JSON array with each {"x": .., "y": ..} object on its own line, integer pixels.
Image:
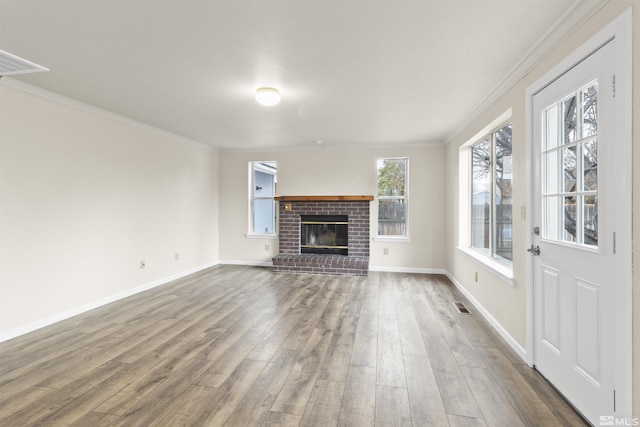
[{"x": 324, "y": 234}]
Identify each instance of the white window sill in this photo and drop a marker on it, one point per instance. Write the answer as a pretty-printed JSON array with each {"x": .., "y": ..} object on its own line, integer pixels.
[
  {"x": 392, "y": 239},
  {"x": 261, "y": 236},
  {"x": 500, "y": 270}
]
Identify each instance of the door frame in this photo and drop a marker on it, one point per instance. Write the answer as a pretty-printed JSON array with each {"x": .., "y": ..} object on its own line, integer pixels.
[{"x": 619, "y": 32}]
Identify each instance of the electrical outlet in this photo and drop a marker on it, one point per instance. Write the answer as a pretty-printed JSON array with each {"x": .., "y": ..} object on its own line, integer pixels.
[
  {"x": 177, "y": 256},
  {"x": 385, "y": 251},
  {"x": 266, "y": 247},
  {"x": 142, "y": 264}
]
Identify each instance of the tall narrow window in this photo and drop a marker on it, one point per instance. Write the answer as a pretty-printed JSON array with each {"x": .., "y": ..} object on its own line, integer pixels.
[
  {"x": 491, "y": 194},
  {"x": 393, "y": 197},
  {"x": 262, "y": 189}
]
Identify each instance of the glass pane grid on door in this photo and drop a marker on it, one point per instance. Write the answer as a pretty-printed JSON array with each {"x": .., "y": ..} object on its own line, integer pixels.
[{"x": 570, "y": 168}]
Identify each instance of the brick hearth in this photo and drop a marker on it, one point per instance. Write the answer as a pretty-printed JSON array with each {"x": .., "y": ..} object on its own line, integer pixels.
[{"x": 356, "y": 208}]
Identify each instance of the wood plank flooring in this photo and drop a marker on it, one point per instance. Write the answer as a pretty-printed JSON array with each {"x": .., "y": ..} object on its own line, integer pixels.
[{"x": 242, "y": 346}]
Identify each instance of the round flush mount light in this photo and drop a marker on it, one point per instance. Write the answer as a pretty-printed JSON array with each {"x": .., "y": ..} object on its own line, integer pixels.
[{"x": 267, "y": 96}]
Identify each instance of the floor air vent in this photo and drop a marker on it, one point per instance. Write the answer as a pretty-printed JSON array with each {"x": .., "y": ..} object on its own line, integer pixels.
[
  {"x": 11, "y": 65},
  {"x": 461, "y": 308}
]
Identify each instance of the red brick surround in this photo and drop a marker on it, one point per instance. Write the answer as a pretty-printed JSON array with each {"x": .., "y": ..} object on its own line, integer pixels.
[{"x": 291, "y": 260}]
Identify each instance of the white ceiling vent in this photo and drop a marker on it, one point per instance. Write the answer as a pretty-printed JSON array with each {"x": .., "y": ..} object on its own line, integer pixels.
[{"x": 12, "y": 65}]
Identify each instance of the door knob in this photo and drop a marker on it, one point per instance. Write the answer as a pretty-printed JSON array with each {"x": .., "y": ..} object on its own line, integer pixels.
[{"x": 535, "y": 250}]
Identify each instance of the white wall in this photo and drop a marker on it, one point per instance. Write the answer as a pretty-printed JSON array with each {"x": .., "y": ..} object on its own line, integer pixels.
[
  {"x": 85, "y": 197},
  {"x": 508, "y": 304},
  {"x": 339, "y": 171}
]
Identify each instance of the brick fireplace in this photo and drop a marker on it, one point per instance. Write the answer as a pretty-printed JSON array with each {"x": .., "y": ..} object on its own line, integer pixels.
[{"x": 354, "y": 208}]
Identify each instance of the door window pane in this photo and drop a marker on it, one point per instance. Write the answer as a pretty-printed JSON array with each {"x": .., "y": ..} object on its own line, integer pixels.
[
  {"x": 589, "y": 111},
  {"x": 551, "y": 172},
  {"x": 551, "y": 127},
  {"x": 590, "y": 220},
  {"x": 590, "y": 165},
  {"x": 569, "y": 163},
  {"x": 570, "y": 225},
  {"x": 550, "y": 212},
  {"x": 569, "y": 113}
]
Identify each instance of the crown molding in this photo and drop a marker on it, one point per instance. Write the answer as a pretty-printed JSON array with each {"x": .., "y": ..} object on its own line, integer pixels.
[
  {"x": 96, "y": 111},
  {"x": 329, "y": 146},
  {"x": 567, "y": 24}
]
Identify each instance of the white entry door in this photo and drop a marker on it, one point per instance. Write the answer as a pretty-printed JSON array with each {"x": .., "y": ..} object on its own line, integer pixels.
[{"x": 575, "y": 201}]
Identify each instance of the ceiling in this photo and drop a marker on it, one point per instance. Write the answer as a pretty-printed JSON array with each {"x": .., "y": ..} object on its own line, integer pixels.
[{"x": 351, "y": 72}]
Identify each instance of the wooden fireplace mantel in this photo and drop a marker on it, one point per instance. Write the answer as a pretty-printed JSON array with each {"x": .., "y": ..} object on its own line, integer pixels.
[{"x": 322, "y": 198}]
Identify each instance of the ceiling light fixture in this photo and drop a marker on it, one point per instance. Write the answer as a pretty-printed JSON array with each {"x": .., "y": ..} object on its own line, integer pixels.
[{"x": 267, "y": 96}]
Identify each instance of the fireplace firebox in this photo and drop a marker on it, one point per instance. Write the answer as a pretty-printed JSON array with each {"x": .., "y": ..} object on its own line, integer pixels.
[{"x": 324, "y": 234}]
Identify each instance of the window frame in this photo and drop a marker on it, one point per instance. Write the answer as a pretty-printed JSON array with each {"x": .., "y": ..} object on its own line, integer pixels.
[
  {"x": 501, "y": 267},
  {"x": 393, "y": 237},
  {"x": 491, "y": 251},
  {"x": 252, "y": 197}
]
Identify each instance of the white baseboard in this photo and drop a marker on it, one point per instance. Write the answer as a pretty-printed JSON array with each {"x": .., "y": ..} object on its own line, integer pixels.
[
  {"x": 408, "y": 270},
  {"x": 492, "y": 321},
  {"x": 50, "y": 320}
]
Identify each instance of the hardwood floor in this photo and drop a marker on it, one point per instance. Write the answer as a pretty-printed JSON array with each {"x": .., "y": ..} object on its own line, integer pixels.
[{"x": 242, "y": 346}]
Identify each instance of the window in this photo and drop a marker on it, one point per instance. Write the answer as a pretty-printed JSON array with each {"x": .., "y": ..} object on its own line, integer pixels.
[
  {"x": 262, "y": 189},
  {"x": 392, "y": 197},
  {"x": 491, "y": 194},
  {"x": 570, "y": 165}
]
